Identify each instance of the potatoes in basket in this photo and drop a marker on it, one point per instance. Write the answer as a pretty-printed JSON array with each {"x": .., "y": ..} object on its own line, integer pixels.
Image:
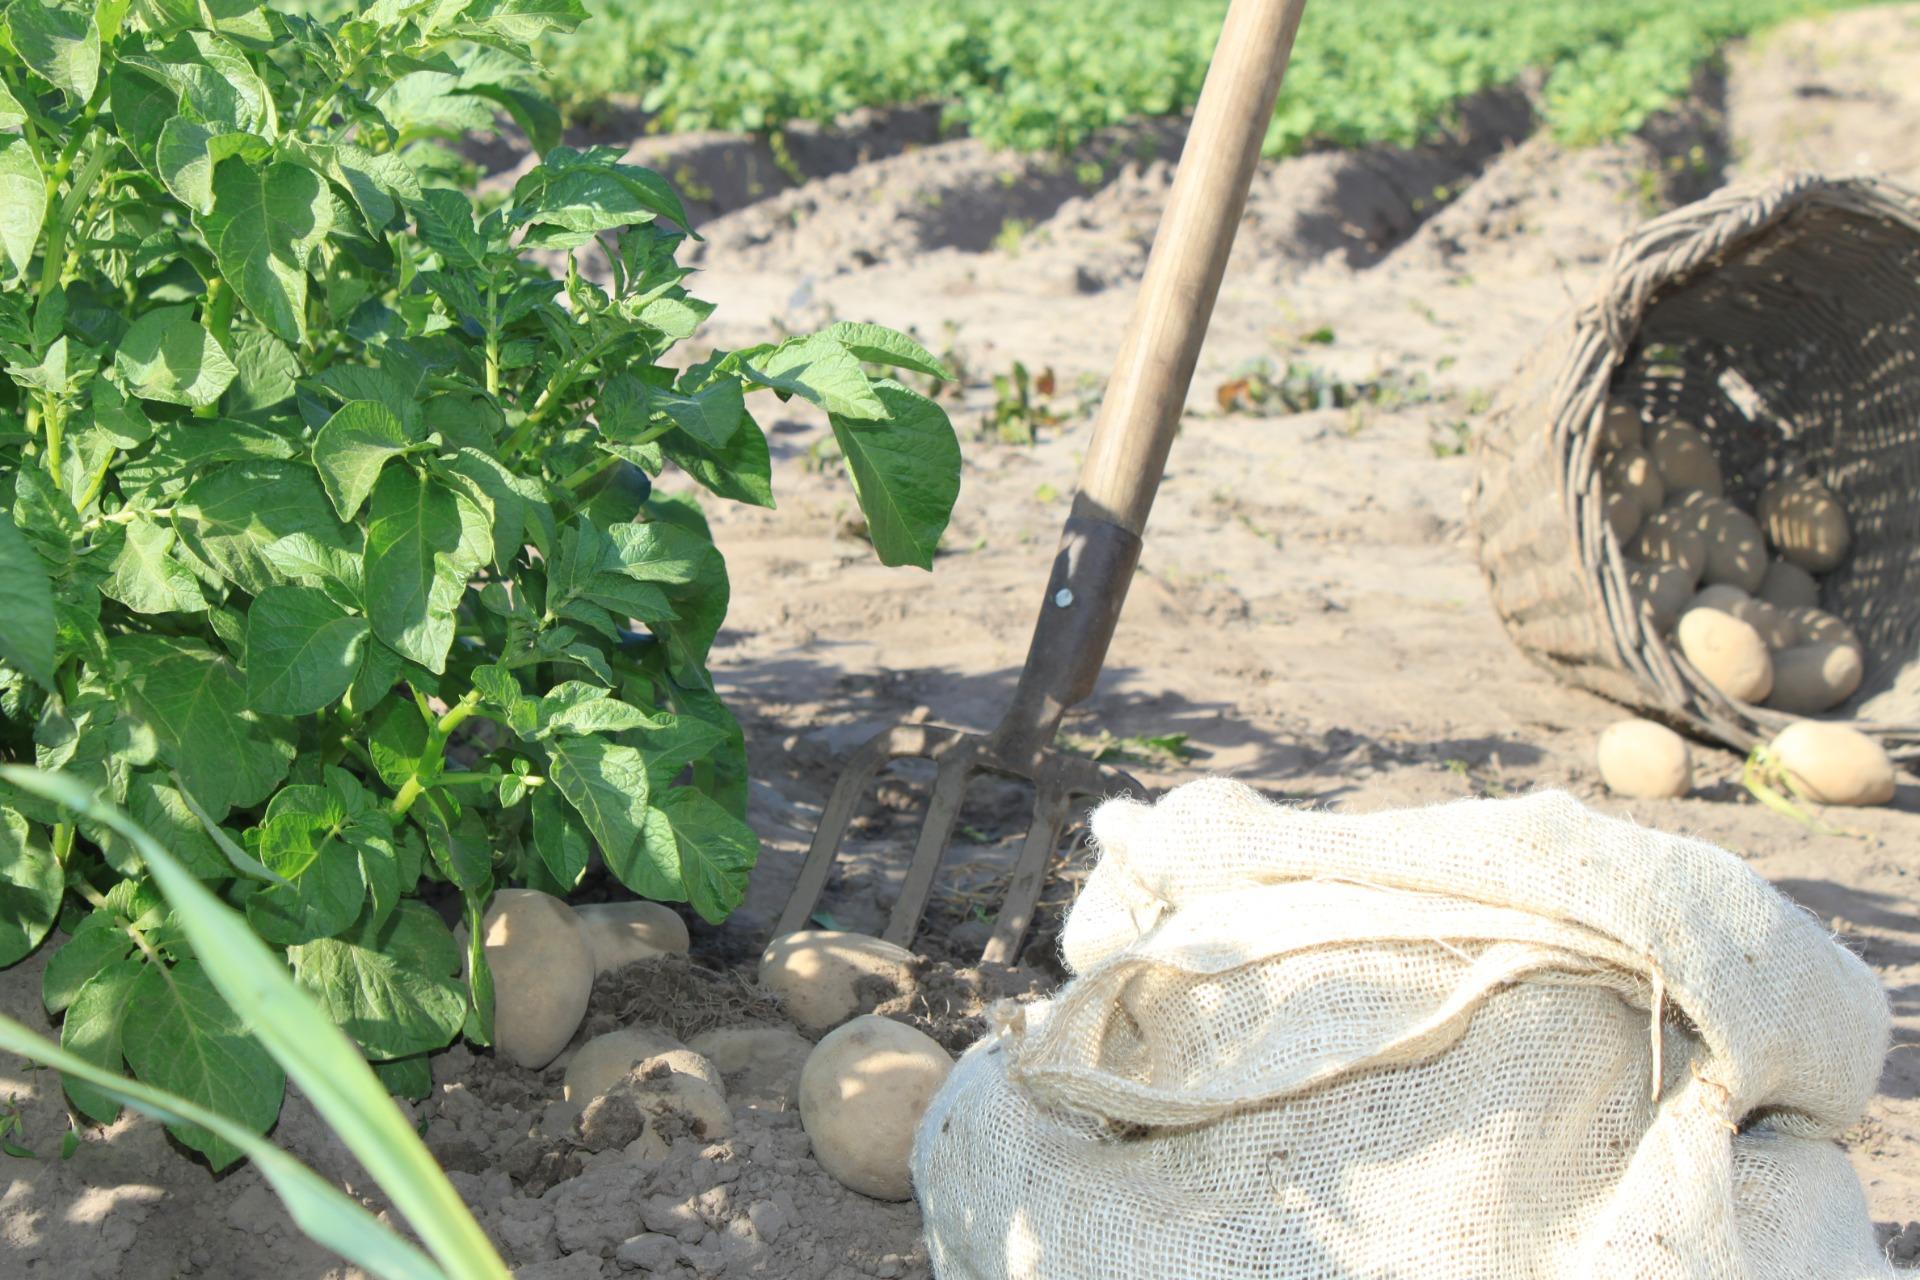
[{"x": 1728, "y": 652}]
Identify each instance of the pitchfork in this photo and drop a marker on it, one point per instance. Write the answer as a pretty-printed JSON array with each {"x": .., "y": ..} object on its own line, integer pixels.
[{"x": 1100, "y": 545}]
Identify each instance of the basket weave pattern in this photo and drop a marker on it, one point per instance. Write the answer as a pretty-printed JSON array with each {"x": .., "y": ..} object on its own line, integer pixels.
[{"x": 1783, "y": 321}]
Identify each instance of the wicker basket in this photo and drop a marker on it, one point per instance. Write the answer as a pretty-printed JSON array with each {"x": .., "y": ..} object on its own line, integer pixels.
[{"x": 1784, "y": 321}]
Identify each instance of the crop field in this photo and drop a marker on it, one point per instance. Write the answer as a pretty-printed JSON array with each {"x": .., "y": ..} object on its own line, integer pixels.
[{"x": 1044, "y": 75}]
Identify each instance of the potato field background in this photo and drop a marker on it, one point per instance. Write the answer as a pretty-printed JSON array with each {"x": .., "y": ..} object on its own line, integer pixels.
[{"x": 1445, "y": 178}]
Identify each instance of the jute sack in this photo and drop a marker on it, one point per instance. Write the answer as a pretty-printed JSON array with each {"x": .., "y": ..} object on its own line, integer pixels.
[{"x": 1489, "y": 1040}]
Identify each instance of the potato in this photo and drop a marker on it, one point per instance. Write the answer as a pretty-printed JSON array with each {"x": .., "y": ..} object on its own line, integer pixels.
[
  {"x": 605, "y": 1060},
  {"x": 1631, "y": 471},
  {"x": 1736, "y": 554},
  {"x": 678, "y": 1105},
  {"x": 1685, "y": 460},
  {"x": 761, "y": 1064},
  {"x": 619, "y": 933},
  {"x": 1620, "y": 428},
  {"x": 542, "y": 975},
  {"x": 1817, "y": 626},
  {"x": 1668, "y": 538},
  {"x": 1811, "y": 678},
  {"x": 824, "y": 977},
  {"x": 1807, "y": 524},
  {"x": 1622, "y": 513},
  {"x": 1728, "y": 652},
  {"x": 862, "y": 1094},
  {"x": 1788, "y": 586},
  {"x": 1832, "y": 764},
  {"x": 1665, "y": 589},
  {"x": 1645, "y": 760},
  {"x": 1772, "y": 624},
  {"x": 1777, "y": 489}
]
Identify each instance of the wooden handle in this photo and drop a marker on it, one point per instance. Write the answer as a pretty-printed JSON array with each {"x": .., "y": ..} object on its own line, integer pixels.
[{"x": 1148, "y": 389}]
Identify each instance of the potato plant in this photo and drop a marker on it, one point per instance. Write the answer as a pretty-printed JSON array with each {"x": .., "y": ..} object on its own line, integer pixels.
[{"x": 328, "y": 548}]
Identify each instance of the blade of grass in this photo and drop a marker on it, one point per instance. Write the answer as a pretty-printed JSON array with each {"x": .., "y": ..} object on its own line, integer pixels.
[
  {"x": 317, "y": 1055},
  {"x": 318, "y": 1208}
]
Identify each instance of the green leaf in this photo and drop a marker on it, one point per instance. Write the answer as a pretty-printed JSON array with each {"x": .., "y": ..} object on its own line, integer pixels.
[
  {"x": 326, "y": 897},
  {"x": 93, "y": 1029},
  {"x": 327, "y": 1066},
  {"x": 195, "y": 702},
  {"x": 266, "y": 372},
  {"x": 23, "y": 201},
  {"x": 228, "y": 518},
  {"x": 12, "y": 114},
  {"x": 538, "y": 118},
  {"x": 877, "y": 344},
  {"x": 303, "y": 650},
  {"x": 146, "y": 578},
  {"x": 607, "y": 785},
  {"x": 60, "y": 44},
  {"x": 415, "y": 571},
  {"x": 180, "y": 1035},
  {"x": 266, "y": 222},
  {"x": 572, "y": 195},
  {"x": 352, "y": 447},
  {"x": 380, "y": 669},
  {"x": 680, "y": 741},
  {"x": 743, "y": 471},
  {"x": 26, "y": 607},
  {"x": 376, "y": 182},
  {"x": 487, "y": 482},
  {"x": 98, "y": 942},
  {"x": 445, "y": 220},
  {"x": 395, "y": 988},
  {"x": 398, "y": 745},
  {"x": 655, "y": 551},
  {"x": 820, "y": 369},
  {"x": 716, "y": 851},
  {"x": 579, "y": 707},
  {"x": 710, "y": 416},
  {"x": 408, "y": 1077},
  {"x": 561, "y": 846},
  {"x": 32, "y": 883},
  {"x": 162, "y": 810},
  {"x": 188, "y": 152},
  {"x": 167, "y": 356},
  {"x": 906, "y": 474},
  {"x": 456, "y": 839}
]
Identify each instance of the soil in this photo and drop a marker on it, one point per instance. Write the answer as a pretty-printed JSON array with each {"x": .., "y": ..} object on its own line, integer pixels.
[{"x": 1308, "y": 614}]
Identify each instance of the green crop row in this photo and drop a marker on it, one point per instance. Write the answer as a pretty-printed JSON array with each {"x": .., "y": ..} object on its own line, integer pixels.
[{"x": 1045, "y": 74}]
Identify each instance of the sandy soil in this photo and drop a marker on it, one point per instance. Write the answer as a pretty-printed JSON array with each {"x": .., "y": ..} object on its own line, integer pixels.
[{"x": 1308, "y": 611}]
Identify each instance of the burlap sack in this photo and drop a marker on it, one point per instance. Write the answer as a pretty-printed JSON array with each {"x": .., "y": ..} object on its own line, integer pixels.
[{"x": 1490, "y": 1040}]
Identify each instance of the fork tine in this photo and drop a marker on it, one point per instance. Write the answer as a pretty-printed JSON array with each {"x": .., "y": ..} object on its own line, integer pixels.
[
  {"x": 956, "y": 759},
  {"x": 861, "y": 766},
  {"x": 1029, "y": 875}
]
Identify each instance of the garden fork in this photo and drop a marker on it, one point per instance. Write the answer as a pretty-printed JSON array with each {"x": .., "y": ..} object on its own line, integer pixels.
[{"x": 1100, "y": 545}]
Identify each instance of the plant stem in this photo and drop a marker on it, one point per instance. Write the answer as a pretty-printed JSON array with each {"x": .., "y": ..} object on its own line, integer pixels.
[
  {"x": 410, "y": 790},
  {"x": 54, "y": 264},
  {"x": 493, "y": 337}
]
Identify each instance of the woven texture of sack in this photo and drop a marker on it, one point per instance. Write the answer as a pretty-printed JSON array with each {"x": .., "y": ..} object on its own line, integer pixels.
[
  {"x": 1485, "y": 1041},
  {"x": 1783, "y": 320}
]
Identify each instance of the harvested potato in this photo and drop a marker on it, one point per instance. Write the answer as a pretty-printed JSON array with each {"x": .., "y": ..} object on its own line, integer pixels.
[
  {"x": 1788, "y": 586},
  {"x": 1773, "y": 624},
  {"x": 604, "y": 1061},
  {"x": 1620, "y": 428},
  {"x": 1811, "y": 678},
  {"x": 1728, "y": 652},
  {"x": 824, "y": 977},
  {"x": 1832, "y": 764},
  {"x": 542, "y": 975},
  {"x": 1664, "y": 589},
  {"x": 1736, "y": 554},
  {"x": 862, "y": 1094},
  {"x": 1667, "y": 537},
  {"x": 1622, "y": 513},
  {"x": 1631, "y": 471},
  {"x": 619, "y": 933},
  {"x": 1685, "y": 460},
  {"x": 678, "y": 1105},
  {"x": 1817, "y": 626},
  {"x": 1777, "y": 489},
  {"x": 1645, "y": 760},
  {"x": 761, "y": 1065},
  {"x": 1807, "y": 524}
]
